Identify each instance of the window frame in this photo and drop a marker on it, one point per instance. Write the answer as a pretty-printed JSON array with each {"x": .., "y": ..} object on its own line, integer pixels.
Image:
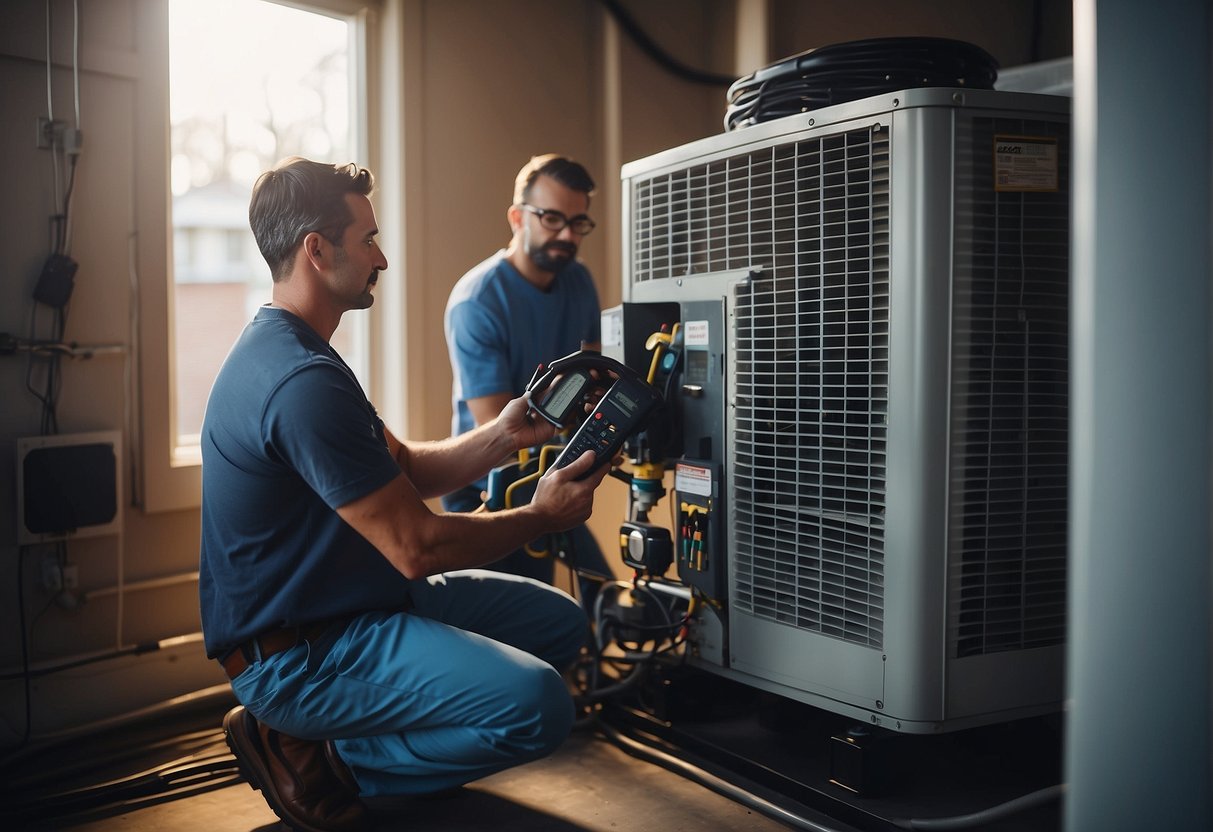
[{"x": 167, "y": 475}]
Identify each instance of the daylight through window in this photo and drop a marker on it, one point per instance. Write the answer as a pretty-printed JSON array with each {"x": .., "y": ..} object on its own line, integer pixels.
[{"x": 242, "y": 97}]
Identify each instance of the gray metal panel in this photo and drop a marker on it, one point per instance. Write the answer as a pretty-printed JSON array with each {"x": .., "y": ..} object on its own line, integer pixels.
[
  {"x": 919, "y": 326},
  {"x": 704, "y": 286},
  {"x": 702, "y": 400},
  {"x": 904, "y": 680},
  {"x": 707, "y": 637},
  {"x": 625, "y": 222},
  {"x": 820, "y": 669},
  {"x": 1010, "y": 372},
  {"x": 1139, "y": 741},
  {"x": 1014, "y": 682},
  {"x": 702, "y": 298},
  {"x": 807, "y": 662}
]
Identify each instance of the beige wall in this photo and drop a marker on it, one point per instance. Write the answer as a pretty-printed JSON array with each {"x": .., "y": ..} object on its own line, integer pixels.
[
  {"x": 94, "y": 392},
  {"x": 471, "y": 89}
]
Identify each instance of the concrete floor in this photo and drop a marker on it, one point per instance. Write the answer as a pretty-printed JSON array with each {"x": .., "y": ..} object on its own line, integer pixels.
[{"x": 589, "y": 785}]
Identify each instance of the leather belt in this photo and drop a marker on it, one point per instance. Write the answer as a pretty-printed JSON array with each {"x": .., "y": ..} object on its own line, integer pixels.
[{"x": 274, "y": 641}]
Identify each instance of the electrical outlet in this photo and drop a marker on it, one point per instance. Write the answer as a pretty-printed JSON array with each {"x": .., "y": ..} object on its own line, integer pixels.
[
  {"x": 50, "y": 132},
  {"x": 71, "y": 576}
]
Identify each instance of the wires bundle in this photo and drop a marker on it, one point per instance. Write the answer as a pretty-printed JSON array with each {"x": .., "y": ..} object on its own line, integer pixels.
[
  {"x": 633, "y": 628},
  {"x": 853, "y": 70}
]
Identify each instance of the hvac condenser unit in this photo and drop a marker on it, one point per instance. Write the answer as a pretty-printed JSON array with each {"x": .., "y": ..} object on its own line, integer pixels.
[{"x": 874, "y": 300}]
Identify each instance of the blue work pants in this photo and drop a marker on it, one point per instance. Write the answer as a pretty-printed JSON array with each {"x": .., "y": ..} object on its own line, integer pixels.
[{"x": 464, "y": 684}]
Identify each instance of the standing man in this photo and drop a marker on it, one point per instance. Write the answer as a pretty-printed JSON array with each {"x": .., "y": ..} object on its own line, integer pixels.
[
  {"x": 526, "y": 305},
  {"x": 370, "y": 658}
]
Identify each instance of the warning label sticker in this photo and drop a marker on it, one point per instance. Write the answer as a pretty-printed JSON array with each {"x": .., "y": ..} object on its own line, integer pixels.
[
  {"x": 1025, "y": 163},
  {"x": 692, "y": 479},
  {"x": 612, "y": 327},
  {"x": 696, "y": 333}
]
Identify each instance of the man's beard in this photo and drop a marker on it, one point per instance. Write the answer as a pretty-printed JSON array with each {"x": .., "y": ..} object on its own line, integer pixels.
[{"x": 553, "y": 255}]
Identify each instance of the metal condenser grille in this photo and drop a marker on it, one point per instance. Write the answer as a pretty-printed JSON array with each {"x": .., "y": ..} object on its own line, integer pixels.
[
  {"x": 810, "y": 363},
  {"x": 1010, "y": 375}
]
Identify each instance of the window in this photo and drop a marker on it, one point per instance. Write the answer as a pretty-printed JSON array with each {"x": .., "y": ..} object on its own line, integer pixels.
[{"x": 280, "y": 83}]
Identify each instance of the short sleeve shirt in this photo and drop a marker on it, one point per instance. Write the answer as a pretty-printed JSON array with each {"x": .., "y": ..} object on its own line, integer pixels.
[
  {"x": 500, "y": 327},
  {"x": 288, "y": 438}
]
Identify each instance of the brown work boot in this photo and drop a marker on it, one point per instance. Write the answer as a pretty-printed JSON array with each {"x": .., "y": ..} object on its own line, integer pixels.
[{"x": 293, "y": 776}]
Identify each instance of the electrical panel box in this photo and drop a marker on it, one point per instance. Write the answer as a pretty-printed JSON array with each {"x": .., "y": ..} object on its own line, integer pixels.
[
  {"x": 68, "y": 485},
  {"x": 699, "y": 544}
]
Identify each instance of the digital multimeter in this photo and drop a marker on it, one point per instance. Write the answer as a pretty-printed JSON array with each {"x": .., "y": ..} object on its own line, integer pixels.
[{"x": 621, "y": 412}]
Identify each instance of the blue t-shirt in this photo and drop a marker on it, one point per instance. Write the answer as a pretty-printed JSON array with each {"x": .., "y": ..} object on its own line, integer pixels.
[
  {"x": 500, "y": 327},
  {"x": 288, "y": 437}
]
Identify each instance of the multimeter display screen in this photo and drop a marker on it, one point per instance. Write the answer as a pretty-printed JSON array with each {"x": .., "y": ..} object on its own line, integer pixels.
[
  {"x": 564, "y": 394},
  {"x": 625, "y": 404}
]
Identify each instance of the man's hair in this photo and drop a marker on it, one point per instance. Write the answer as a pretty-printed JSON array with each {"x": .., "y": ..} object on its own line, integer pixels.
[
  {"x": 299, "y": 196},
  {"x": 564, "y": 170}
]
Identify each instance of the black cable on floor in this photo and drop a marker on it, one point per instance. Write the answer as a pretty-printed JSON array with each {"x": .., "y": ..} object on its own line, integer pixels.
[
  {"x": 137, "y": 796},
  {"x": 39, "y": 777},
  {"x": 711, "y": 781},
  {"x": 196, "y": 774}
]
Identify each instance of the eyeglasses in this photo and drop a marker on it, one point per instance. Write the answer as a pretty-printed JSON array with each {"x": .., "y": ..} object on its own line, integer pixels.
[{"x": 556, "y": 221}]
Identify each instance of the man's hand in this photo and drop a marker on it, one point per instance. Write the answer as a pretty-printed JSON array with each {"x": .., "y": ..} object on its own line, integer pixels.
[
  {"x": 564, "y": 501},
  {"x": 525, "y": 428}
]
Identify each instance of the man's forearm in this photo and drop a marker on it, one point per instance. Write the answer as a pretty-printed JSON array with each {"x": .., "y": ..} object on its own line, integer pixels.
[
  {"x": 464, "y": 540},
  {"x": 442, "y": 466}
]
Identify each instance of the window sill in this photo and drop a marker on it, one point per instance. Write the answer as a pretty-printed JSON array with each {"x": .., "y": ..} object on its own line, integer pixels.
[{"x": 187, "y": 456}]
